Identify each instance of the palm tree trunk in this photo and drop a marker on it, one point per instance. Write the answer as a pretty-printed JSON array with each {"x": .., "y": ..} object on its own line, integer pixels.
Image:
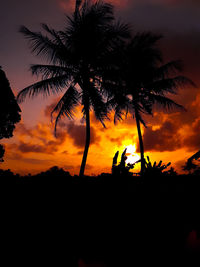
[
  {"x": 140, "y": 142},
  {"x": 87, "y": 142}
]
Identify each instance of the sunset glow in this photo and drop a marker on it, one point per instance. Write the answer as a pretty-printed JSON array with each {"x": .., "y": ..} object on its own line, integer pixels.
[
  {"x": 172, "y": 136},
  {"x": 132, "y": 157}
]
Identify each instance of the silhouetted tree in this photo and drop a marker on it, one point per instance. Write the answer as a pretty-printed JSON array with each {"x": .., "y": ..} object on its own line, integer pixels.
[
  {"x": 78, "y": 56},
  {"x": 9, "y": 110},
  {"x": 143, "y": 80}
]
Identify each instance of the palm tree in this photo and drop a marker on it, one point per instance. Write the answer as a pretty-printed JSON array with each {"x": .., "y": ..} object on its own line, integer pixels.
[
  {"x": 143, "y": 80},
  {"x": 77, "y": 58}
]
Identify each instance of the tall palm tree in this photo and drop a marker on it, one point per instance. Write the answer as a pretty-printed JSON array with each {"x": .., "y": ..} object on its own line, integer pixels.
[
  {"x": 77, "y": 58},
  {"x": 143, "y": 80}
]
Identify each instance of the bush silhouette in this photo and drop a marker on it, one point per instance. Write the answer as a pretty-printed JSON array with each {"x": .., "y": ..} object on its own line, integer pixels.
[
  {"x": 156, "y": 169},
  {"x": 122, "y": 168}
]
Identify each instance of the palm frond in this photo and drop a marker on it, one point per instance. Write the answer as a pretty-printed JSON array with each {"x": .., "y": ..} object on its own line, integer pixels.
[
  {"x": 169, "y": 85},
  {"x": 144, "y": 49},
  {"x": 120, "y": 30},
  {"x": 146, "y": 39},
  {"x": 46, "y": 87},
  {"x": 66, "y": 105},
  {"x": 48, "y": 71},
  {"x": 120, "y": 104},
  {"x": 100, "y": 108},
  {"x": 44, "y": 46},
  {"x": 169, "y": 68},
  {"x": 101, "y": 10},
  {"x": 165, "y": 102},
  {"x": 55, "y": 34}
]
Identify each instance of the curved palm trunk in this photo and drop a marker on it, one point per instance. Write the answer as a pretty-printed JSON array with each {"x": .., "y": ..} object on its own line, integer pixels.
[
  {"x": 87, "y": 142},
  {"x": 140, "y": 142}
]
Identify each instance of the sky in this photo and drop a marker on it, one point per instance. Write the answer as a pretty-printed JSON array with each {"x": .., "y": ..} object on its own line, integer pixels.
[{"x": 170, "y": 137}]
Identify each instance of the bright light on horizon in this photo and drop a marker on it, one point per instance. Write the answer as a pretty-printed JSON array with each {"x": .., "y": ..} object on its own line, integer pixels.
[{"x": 131, "y": 154}]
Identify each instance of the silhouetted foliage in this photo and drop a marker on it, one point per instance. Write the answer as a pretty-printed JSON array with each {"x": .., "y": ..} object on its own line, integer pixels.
[
  {"x": 122, "y": 168},
  {"x": 156, "y": 169},
  {"x": 78, "y": 58},
  {"x": 9, "y": 109}
]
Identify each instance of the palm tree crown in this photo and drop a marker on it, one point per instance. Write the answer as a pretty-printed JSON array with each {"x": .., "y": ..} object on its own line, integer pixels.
[{"x": 77, "y": 57}]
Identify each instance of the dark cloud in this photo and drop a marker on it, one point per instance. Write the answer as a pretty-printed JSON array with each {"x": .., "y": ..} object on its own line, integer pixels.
[
  {"x": 117, "y": 141},
  {"x": 65, "y": 152},
  {"x": 184, "y": 46},
  {"x": 40, "y": 131},
  {"x": 49, "y": 108},
  {"x": 178, "y": 130},
  {"x": 192, "y": 140},
  {"x": 23, "y": 130},
  {"x": 77, "y": 134},
  {"x": 166, "y": 138},
  {"x": 161, "y": 14},
  {"x": 41, "y": 139},
  {"x": 26, "y": 148},
  {"x": 17, "y": 156}
]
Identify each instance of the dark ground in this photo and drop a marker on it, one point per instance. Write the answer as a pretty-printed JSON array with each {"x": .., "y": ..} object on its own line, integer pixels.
[{"x": 56, "y": 219}]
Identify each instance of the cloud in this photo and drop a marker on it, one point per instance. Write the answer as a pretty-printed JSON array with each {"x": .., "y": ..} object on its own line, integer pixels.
[
  {"x": 49, "y": 108},
  {"x": 192, "y": 140},
  {"x": 170, "y": 132},
  {"x": 184, "y": 46},
  {"x": 22, "y": 130},
  {"x": 77, "y": 134},
  {"x": 17, "y": 156},
  {"x": 116, "y": 140},
  {"x": 166, "y": 138},
  {"x": 38, "y": 139},
  {"x": 66, "y": 5},
  {"x": 26, "y": 148}
]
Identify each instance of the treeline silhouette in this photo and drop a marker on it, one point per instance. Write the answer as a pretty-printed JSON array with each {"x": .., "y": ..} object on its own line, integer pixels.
[{"x": 118, "y": 220}]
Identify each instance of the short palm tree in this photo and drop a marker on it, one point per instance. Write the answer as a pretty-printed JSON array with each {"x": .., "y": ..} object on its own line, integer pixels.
[
  {"x": 76, "y": 57},
  {"x": 143, "y": 80}
]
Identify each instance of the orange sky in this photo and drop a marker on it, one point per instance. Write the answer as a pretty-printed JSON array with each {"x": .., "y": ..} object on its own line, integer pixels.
[
  {"x": 35, "y": 148},
  {"x": 169, "y": 137}
]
